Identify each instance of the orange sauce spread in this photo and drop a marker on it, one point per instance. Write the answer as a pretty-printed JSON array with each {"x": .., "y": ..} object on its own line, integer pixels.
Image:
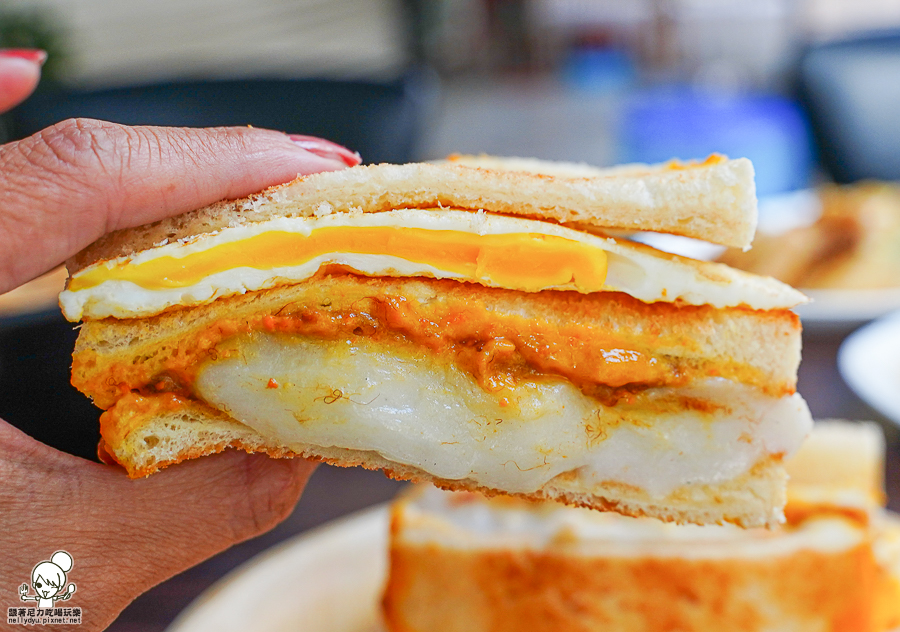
[
  {"x": 519, "y": 261},
  {"x": 712, "y": 159},
  {"x": 497, "y": 351},
  {"x": 118, "y": 422}
]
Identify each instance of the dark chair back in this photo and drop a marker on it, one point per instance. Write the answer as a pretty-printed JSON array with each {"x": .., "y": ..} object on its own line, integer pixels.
[
  {"x": 852, "y": 92},
  {"x": 383, "y": 121}
]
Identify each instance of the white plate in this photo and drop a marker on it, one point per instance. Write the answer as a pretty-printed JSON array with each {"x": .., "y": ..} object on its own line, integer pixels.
[
  {"x": 869, "y": 361},
  {"x": 843, "y": 309},
  {"x": 328, "y": 580}
]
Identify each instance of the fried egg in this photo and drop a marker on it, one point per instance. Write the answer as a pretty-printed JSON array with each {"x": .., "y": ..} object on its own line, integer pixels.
[{"x": 488, "y": 249}]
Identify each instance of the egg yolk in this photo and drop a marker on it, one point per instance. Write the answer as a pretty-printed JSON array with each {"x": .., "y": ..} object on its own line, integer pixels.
[{"x": 519, "y": 261}]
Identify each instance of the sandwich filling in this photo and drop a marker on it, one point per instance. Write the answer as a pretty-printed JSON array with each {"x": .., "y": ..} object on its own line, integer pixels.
[
  {"x": 410, "y": 408},
  {"x": 415, "y": 411},
  {"x": 507, "y": 389},
  {"x": 488, "y": 249}
]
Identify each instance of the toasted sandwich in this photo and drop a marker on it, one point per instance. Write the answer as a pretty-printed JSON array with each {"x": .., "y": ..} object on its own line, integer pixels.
[
  {"x": 459, "y": 561},
  {"x": 466, "y": 323}
]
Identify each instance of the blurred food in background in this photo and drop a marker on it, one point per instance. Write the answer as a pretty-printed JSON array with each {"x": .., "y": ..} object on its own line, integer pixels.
[{"x": 855, "y": 243}]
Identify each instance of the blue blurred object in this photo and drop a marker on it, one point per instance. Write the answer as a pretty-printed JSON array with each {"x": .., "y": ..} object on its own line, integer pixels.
[
  {"x": 381, "y": 120},
  {"x": 599, "y": 70},
  {"x": 772, "y": 131},
  {"x": 851, "y": 89}
]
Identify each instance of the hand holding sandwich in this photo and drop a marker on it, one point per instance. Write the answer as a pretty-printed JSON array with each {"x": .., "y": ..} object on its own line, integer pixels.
[{"x": 62, "y": 189}]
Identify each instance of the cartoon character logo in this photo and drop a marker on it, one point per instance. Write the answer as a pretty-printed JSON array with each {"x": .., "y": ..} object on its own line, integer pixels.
[{"x": 48, "y": 579}]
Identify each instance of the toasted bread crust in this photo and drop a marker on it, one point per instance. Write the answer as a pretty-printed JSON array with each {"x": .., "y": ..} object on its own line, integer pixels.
[
  {"x": 443, "y": 588},
  {"x": 714, "y": 200}
]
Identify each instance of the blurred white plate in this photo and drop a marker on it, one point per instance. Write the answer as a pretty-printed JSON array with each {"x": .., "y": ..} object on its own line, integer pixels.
[
  {"x": 328, "y": 580},
  {"x": 845, "y": 309},
  {"x": 869, "y": 361}
]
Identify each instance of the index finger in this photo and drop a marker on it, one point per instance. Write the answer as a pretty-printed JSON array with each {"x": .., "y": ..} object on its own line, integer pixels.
[
  {"x": 20, "y": 71},
  {"x": 68, "y": 185}
]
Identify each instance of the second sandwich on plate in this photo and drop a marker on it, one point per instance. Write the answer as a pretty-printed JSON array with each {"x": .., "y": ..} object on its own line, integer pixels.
[
  {"x": 467, "y": 323},
  {"x": 459, "y": 561}
]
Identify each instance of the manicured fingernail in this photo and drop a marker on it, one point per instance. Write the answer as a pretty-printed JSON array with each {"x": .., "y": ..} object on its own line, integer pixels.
[
  {"x": 326, "y": 149},
  {"x": 34, "y": 55}
]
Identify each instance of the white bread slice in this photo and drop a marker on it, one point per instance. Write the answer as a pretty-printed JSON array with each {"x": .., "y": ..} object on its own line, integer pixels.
[
  {"x": 713, "y": 200},
  {"x": 886, "y": 547}
]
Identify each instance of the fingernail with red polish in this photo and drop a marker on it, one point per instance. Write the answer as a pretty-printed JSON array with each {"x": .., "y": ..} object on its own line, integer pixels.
[
  {"x": 326, "y": 149},
  {"x": 34, "y": 55}
]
